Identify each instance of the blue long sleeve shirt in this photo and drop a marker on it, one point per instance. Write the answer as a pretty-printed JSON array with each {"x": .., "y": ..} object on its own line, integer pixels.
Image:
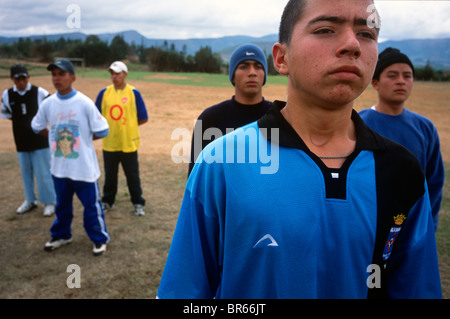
[{"x": 419, "y": 135}]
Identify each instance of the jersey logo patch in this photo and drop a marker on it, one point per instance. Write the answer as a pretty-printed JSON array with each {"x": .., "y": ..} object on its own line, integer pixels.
[
  {"x": 395, "y": 230},
  {"x": 399, "y": 219},
  {"x": 266, "y": 241},
  {"x": 390, "y": 242}
]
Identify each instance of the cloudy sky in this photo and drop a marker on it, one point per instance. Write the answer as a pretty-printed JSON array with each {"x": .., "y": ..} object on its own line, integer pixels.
[{"x": 182, "y": 19}]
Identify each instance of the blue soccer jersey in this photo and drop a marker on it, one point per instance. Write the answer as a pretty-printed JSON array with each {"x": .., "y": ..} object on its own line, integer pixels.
[{"x": 302, "y": 230}]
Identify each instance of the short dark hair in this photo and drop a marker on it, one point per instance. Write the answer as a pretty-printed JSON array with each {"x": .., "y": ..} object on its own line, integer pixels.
[{"x": 291, "y": 14}]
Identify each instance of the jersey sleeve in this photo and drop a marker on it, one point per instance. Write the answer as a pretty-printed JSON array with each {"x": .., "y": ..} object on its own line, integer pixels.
[
  {"x": 6, "y": 109},
  {"x": 435, "y": 174},
  {"x": 42, "y": 95},
  {"x": 196, "y": 143},
  {"x": 39, "y": 121},
  {"x": 415, "y": 270},
  {"x": 140, "y": 106},
  {"x": 193, "y": 266},
  {"x": 206, "y": 120},
  {"x": 99, "y": 100},
  {"x": 97, "y": 122}
]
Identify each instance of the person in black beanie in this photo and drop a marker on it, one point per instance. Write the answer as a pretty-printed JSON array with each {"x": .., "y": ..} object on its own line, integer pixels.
[
  {"x": 388, "y": 57},
  {"x": 393, "y": 80},
  {"x": 248, "y": 74}
]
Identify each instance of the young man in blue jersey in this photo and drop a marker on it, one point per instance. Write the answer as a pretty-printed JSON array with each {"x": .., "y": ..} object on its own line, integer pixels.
[
  {"x": 345, "y": 215},
  {"x": 393, "y": 80}
]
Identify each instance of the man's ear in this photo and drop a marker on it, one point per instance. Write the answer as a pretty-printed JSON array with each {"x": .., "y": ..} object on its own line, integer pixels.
[
  {"x": 375, "y": 84},
  {"x": 279, "y": 52}
]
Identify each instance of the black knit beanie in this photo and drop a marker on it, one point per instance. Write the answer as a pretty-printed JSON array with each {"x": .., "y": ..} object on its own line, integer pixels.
[{"x": 388, "y": 57}]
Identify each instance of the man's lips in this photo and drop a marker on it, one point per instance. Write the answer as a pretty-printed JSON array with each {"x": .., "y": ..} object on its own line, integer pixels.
[{"x": 347, "y": 72}]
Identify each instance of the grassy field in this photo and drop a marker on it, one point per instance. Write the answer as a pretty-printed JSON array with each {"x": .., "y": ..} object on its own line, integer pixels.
[{"x": 134, "y": 261}]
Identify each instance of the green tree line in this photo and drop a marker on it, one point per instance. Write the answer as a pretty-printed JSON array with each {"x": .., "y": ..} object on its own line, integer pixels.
[
  {"x": 97, "y": 53},
  {"x": 166, "y": 58},
  {"x": 427, "y": 73},
  {"x": 94, "y": 51}
]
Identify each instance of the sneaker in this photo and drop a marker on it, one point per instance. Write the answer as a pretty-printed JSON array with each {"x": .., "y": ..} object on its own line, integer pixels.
[
  {"x": 106, "y": 207},
  {"x": 139, "y": 210},
  {"x": 26, "y": 206},
  {"x": 56, "y": 243},
  {"x": 99, "y": 249},
  {"x": 49, "y": 210}
]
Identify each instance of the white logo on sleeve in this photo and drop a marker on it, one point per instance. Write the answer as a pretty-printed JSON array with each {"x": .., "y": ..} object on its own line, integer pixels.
[{"x": 266, "y": 241}]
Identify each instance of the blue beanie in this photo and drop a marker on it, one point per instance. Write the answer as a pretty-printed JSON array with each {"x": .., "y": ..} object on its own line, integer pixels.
[{"x": 247, "y": 52}]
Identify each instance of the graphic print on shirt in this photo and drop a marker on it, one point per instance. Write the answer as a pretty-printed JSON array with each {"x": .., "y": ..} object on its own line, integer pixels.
[
  {"x": 266, "y": 241},
  {"x": 116, "y": 111},
  {"x": 65, "y": 140}
]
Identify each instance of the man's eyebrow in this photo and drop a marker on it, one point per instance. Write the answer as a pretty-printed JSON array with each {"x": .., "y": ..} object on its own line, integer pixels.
[
  {"x": 338, "y": 20},
  {"x": 325, "y": 18}
]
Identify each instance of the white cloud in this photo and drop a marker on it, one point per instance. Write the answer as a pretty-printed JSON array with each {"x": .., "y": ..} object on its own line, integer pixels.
[
  {"x": 205, "y": 18},
  {"x": 414, "y": 19},
  {"x": 172, "y": 19}
]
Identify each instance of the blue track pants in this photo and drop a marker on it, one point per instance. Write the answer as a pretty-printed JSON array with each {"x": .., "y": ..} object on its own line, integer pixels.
[{"x": 93, "y": 217}]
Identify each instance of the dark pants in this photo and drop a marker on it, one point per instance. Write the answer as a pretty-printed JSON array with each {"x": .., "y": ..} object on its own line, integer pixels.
[{"x": 130, "y": 167}]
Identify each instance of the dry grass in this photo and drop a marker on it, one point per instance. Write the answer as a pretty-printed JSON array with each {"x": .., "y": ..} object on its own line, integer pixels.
[{"x": 133, "y": 263}]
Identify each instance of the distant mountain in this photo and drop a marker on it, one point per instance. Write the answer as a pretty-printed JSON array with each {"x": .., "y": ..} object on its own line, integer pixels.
[
  {"x": 437, "y": 51},
  {"x": 193, "y": 45}
]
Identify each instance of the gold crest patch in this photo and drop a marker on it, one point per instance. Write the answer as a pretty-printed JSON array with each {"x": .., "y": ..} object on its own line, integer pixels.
[{"x": 399, "y": 219}]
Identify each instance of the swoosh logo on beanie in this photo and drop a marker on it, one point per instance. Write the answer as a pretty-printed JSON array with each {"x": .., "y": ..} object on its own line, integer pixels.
[{"x": 249, "y": 53}]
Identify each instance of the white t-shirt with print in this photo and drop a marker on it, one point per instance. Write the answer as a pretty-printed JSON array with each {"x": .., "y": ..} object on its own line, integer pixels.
[{"x": 72, "y": 123}]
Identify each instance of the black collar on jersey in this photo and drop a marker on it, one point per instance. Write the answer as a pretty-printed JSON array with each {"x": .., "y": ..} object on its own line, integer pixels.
[
  {"x": 335, "y": 187},
  {"x": 366, "y": 139}
]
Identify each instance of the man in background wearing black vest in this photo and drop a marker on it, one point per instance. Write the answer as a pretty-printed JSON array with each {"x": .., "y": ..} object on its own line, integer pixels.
[{"x": 20, "y": 104}]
